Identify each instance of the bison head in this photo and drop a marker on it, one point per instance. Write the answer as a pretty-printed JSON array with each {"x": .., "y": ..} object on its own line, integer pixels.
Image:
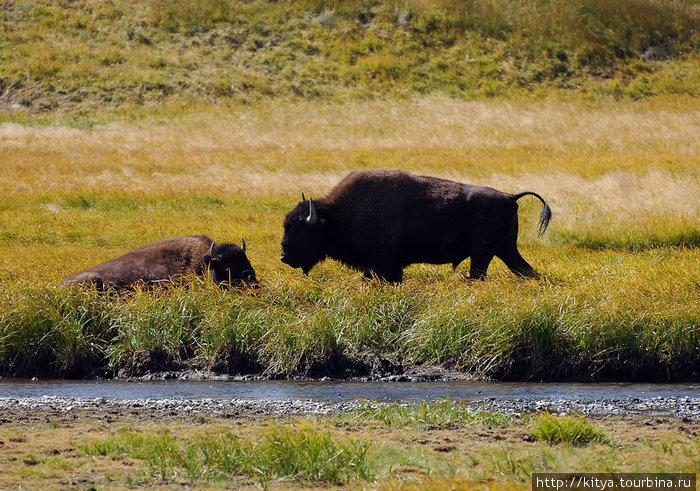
[
  {"x": 302, "y": 244},
  {"x": 229, "y": 264}
]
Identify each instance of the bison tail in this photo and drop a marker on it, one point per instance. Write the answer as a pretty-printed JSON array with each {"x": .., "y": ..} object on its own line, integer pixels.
[{"x": 545, "y": 215}]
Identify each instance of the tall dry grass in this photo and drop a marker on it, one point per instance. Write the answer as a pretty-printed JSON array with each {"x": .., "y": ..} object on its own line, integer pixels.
[{"x": 279, "y": 149}]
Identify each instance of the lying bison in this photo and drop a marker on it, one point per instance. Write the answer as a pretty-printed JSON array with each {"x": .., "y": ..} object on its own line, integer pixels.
[
  {"x": 168, "y": 260},
  {"x": 380, "y": 221}
]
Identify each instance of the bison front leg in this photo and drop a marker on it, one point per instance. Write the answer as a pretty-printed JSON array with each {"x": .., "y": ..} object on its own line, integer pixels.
[{"x": 480, "y": 264}]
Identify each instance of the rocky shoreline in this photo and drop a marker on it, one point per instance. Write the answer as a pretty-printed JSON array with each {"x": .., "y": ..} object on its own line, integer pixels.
[{"x": 17, "y": 409}]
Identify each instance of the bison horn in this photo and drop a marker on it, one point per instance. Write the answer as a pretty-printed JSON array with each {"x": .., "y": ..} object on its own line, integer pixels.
[
  {"x": 243, "y": 244},
  {"x": 303, "y": 198},
  {"x": 313, "y": 216},
  {"x": 211, "y": 253}
]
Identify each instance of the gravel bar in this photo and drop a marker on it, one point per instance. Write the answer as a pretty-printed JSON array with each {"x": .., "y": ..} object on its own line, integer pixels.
[
  {"x": 683, "y": 407},
  {"x": 231, "y": 407}
]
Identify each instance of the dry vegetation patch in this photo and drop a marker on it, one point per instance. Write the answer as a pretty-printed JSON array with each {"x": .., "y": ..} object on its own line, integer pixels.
[{"x": 276, "y": 148}]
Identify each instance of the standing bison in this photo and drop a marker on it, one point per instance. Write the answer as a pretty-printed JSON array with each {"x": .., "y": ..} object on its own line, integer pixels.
[
  {"x": 167, "y": 260},
  {"x": 380, "y": 221}
]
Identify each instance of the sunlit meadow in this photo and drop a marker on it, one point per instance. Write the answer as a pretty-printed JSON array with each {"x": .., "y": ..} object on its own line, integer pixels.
[{"x": 618, "y": 296}]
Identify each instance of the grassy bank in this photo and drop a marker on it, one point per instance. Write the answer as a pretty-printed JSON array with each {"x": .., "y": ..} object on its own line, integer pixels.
[
  {"x": 561, "y": 327},
  {"x": 87, "y": 62},
  {"x": 618, "y": 296},
  {"x": 436, "y": 445}
]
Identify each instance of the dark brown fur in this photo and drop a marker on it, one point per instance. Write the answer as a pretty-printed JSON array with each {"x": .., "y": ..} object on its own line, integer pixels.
[
  {"x": 167, "y": 260},
  {"x": 380, "y": 221}
]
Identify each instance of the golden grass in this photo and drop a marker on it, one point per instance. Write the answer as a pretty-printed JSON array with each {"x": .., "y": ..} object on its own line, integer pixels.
[
  {"x": 281, "y": 149},
  {"x": 625, "y": 168}
]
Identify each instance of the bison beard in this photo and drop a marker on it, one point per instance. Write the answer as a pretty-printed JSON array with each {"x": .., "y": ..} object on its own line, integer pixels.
[{"x": 380, "y": 221}]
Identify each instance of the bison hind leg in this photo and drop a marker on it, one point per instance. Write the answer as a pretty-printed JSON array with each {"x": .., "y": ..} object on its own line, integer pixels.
[{"x": 517, "y": 264}]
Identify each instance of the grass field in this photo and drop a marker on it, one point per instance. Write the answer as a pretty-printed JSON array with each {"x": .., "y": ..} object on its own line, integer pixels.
[{"x": 618, "y": 296}]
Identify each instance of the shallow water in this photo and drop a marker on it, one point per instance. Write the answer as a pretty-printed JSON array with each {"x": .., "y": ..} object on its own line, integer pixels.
[{"x": 283, "y": 390}]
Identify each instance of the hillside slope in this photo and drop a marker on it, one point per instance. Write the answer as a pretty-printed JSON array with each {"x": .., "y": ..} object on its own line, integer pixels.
[{"x": 73, "y": 59}]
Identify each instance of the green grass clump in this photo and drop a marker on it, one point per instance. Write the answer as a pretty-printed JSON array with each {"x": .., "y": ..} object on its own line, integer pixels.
[
  {"x": 159, "y": 331},
  {"x": 47, "y": 334},
  {"x": 574, "y": 430},
  {"x": 304, "y": 454}
]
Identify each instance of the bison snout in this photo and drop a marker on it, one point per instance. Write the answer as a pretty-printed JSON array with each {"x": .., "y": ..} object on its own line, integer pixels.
[{"x": 284, "y": 258}]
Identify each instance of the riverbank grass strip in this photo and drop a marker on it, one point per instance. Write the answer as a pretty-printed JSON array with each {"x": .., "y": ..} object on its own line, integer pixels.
[{"x": 557, "y": 328}]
